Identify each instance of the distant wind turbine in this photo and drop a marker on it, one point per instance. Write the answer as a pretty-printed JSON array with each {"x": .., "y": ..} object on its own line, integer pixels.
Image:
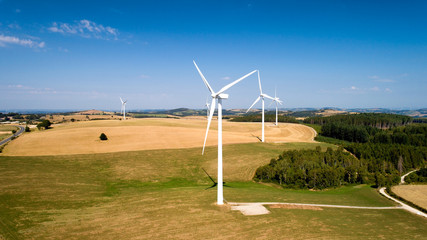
[
  {"x": 261, "y": 96},
  {"x": 123, "y": 109},
  {"x": 207, "y": 105},
  {"x": 218, "y": 95},
  {"x": 277, "y": 101}
]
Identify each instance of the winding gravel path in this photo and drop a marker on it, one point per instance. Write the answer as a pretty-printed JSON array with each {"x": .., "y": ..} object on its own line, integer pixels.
[{"x": 258, "y": 208}]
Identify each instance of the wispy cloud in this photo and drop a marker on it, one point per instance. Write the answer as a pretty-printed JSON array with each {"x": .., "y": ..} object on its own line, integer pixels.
[
  {"x": 14, "y": 26},
  {"x": 31, "y": 90},
  {"x": 7, "y": 40},
  {"x": 85, "y": 28},
  {"x": 357, "y": 90},
  {"x": 20, "y": 89},
  {"x": 61, "y": 49},
  {"x": 388, "y": 90},
  {"x": 144, "y": 76},
  {"x": 226, "y": 78},
  {"x": 379, "y": 79}
]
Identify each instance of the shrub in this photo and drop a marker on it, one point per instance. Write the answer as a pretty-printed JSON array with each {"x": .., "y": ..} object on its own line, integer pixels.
[
  {"x": 27, "y": 129},
  {"x": 44, "y": 124},
  {"x": 103, "y": 137}
]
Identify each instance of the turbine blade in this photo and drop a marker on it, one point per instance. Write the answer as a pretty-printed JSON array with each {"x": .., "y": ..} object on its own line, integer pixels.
[
  {"x": 209, "y": 123},
  {"x": 233, "y": 83},
  {"x": 259, "y": 82},
  {"x": 256, "y": 100},
  {"x": 272, "y": 103},
  {"x": 121, "y": 100},
  {"x": 267, "y": 96},
  {"x": 203, "y": 77}
]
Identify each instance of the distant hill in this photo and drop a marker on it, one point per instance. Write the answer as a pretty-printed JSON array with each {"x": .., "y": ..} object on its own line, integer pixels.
[
  {"x": 294, "y": 112},
  {"x": 91, "y": 112}
]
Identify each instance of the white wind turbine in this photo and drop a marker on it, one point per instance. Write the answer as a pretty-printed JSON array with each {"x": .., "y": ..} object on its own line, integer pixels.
[
  {"x": 218, "y": 95},
  {"x": 123, "y": 109},
  {"x": 278, "y": 101},
  {"x": 261, "y": 96},
  {"x": 207, "y": 105}
]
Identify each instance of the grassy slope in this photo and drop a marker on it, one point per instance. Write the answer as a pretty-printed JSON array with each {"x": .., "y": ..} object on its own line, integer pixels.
[{"x": 161, "y": 194}]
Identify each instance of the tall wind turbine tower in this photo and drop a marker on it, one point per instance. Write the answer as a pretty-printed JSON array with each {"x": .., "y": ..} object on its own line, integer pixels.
[
  {"x": 123, "y": 110},
  {"x": 261, "y": 96},
  {"x": 220, "y": 95}
]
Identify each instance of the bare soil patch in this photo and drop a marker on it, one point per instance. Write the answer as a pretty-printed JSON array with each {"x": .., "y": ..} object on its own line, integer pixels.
[{"x": 416, "y": 194}]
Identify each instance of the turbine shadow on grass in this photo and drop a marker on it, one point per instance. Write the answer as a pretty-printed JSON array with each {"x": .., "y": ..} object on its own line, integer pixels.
[
  {"x": 214, "y": 183},
  {"x": 257, "y": 137}
]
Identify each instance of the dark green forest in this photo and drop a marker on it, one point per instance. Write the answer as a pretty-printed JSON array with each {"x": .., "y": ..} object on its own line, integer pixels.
[
  {"x": 419, "y": 176},
  {"x": 315, "y": 169},
  {"x": 381, "y": 147},
  {"x": 377, "y": 120}
]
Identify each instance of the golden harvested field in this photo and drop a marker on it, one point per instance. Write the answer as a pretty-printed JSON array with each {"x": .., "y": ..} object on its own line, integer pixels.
[
  {"x": 81, "y": 117},
  {"x": 146, "y": 134},
  {"x": 416, "y": 194}
]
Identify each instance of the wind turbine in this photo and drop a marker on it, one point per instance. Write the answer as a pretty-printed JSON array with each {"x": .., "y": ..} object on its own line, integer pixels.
[
  {"x": 261, "y": 96},
  {"x": 207, "y": 105},
  {"x": 277, "y": 100},
  {"x": 218, "y": 95},
  {"x": 123, "y": 109}
]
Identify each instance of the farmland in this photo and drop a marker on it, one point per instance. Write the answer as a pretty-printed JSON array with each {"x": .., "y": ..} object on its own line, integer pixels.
[
  {"x": 145, "y": 134},
  {"x": 160, "y": 193}
]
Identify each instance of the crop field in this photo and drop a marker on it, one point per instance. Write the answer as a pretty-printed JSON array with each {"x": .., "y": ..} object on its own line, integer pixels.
[
  {"x": 161, "y": 193},
  {"x": 416, "y": 194},
  {"x": 146, "y": 134}
]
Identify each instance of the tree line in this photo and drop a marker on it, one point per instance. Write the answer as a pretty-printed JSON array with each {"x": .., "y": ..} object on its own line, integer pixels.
[
  {"x": 376, "y": 120},
  {"x": 267, "y": 118}
]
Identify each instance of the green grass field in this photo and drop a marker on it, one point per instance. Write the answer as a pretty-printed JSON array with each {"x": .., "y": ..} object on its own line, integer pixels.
[{"x": 161, "y": 194}]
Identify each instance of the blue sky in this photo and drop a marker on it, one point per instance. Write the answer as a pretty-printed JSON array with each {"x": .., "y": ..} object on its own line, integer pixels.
[{"x": 87, "y": 54}]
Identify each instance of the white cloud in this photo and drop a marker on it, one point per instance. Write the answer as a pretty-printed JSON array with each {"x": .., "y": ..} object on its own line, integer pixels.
[
  {"x": 17, "y": 10},
  {"x": 354, "y": 88},
  {"x": 144, "y": 76},
  {"x": 374, "y": 89},
  {"x": 85, "y": 28},
  {"x": 226, "y": 78},
  {"x": 6, "y": 40},
  {"x": 388, "y": 90}
]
